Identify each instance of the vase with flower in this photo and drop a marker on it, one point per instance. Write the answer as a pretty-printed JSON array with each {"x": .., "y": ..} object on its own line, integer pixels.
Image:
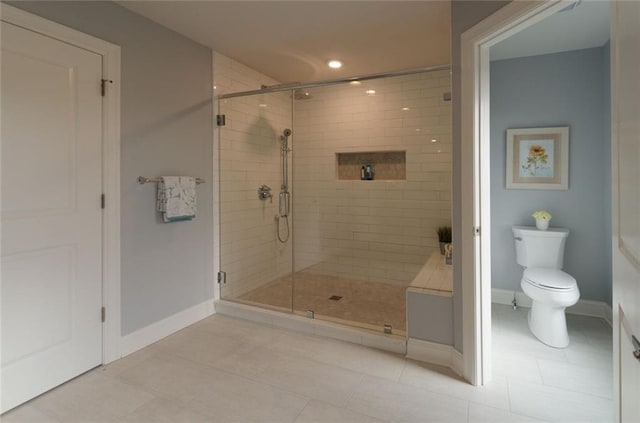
[{"x": 542, "y": 218}]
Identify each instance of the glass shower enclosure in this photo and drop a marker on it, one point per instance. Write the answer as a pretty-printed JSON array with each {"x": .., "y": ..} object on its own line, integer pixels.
[
  {"x": 331, "y": 196},
  {"x": 255, "y": 229}
]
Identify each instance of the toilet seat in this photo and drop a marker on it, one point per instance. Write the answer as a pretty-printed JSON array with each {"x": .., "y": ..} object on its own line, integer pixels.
[{"x": 549, "y": 279}]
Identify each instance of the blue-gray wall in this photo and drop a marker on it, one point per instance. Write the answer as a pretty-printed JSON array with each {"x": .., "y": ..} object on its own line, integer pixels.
[
  {"x": 166, "y": 127},
  {"x": 562, "y": 89},
  {"x": 464, "y": 15}
]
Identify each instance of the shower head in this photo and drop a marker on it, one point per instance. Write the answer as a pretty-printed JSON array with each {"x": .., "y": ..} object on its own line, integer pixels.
[
  {"x": 301, "y": 94},
  {"x": 286, "y": 132}
]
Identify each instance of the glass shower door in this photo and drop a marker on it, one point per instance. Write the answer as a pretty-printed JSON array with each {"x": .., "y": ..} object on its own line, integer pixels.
[{"x": 255, "y": 228}]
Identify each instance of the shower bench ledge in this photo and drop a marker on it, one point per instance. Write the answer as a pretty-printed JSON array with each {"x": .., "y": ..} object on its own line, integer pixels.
[{"x": 434, "y": 278}]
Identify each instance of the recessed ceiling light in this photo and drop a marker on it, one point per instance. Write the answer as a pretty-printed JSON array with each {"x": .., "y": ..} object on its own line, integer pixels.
[
  {"x": 434, "y": 140},
  {"x": 370, "y": 92},
  {"x": 263, "y": 105},
  {"x": 355, "y": 83},
  {"x": 418, "y": 129},
  {"x": 335, "y": 64},
  {"x": 404, "y": 109}
]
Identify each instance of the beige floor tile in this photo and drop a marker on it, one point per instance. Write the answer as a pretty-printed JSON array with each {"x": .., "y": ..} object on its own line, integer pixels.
[
  {"x": 201, "y": 346},
  {"x": 313, "y": 379},
  {"x": 479, "y": 413},
  {"x": 169, "y": 376},
  {"x": 248, "y": 332},
  {"x": 237, "y": 399},
  {"x": 250, "y": 363},
  {"x": 361, "y": 359},
  {"x": 226, "y": 369},
  {"x": 320, "y": 412},
  {"x": 92, "y": 397},
  {"x": 444, "y": 381},
  {"x": 588, "y": 380},
  {"x": 118, "y": 366},
  {"x": 398, "y": 402},
  {"x": 162, "y": 410},
  {"x": 297, "y": 344},
  {"x": 558, "y": 405},
  {"x": 27, "y": 414},
  {"x": 515, "y": 366}
]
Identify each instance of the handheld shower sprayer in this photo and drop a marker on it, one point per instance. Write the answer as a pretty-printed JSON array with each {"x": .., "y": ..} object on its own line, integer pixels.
[{"x": 283, "y": 198}]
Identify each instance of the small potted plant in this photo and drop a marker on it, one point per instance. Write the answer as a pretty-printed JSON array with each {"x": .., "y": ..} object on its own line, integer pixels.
[
  {"x": 444, "y": 237},
  {"x": 542, "y": 218}
]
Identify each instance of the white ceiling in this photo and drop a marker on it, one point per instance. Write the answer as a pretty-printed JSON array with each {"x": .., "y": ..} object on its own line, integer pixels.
[
  {"x": 573, "y": 28},
  {"x": 292, "y": 41}
]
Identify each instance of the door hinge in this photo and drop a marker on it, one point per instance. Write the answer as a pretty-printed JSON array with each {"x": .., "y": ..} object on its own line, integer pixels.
[
  {"x": 102, "y": 201},
  {"x": 476, "y": 231},
  {"x": 222, "y": 277},
  {"x": 103, "y": 86},
  {"x": 103, "y": 314},
  {"x": 221, "y": 120}
]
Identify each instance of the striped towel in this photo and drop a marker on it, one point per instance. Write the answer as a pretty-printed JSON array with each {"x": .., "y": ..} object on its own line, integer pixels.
[{"x": 176, "y": 198}]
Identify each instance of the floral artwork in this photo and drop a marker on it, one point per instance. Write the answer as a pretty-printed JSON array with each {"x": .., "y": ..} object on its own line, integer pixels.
[{"x": 536, "y": 158}]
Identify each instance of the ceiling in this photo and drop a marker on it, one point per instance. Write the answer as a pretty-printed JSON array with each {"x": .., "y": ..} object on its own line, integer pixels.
[
  {"x": 585, "y": 24},
  {"x": 292, "y": 41}
]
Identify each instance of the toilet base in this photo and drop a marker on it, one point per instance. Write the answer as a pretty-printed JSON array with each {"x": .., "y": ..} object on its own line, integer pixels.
[{"x": 548, "y": 324}]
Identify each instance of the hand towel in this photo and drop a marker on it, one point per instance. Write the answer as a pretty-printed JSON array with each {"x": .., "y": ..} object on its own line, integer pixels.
[{"x": 176, "y": 198}]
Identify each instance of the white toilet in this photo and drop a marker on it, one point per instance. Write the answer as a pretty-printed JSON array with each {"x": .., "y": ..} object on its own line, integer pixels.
[{"x": 551, "y": 289}]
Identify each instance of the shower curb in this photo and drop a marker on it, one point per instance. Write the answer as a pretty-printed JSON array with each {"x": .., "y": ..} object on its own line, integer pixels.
[{"x": 315, "y": 327}]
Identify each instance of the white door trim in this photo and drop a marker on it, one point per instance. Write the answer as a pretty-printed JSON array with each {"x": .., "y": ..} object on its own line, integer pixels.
[
  {"x": 475, "y": 176},
  {"x": 110, "y": 53}
]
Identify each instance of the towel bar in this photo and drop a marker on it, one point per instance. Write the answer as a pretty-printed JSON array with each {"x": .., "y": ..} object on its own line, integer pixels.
[{"x": 142, "y": 180}]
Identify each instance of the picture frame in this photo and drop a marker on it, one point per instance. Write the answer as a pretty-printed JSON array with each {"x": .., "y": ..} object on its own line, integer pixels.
[{"x": 538, "y": 158}]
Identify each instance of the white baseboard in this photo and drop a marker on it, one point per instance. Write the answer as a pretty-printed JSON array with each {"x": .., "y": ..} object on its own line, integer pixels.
[
  {"x": 457, "y": 362},
  {"x": 583, "y": 307},
  {"x": 165, "y": 327},
  {"x": 432, "y": 352}
]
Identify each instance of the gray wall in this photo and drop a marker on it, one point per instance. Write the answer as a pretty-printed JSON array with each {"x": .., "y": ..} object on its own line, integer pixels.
[
  {"x": 166, "y": 130},
  {"x": 430, "y": 317},
  {"x": 563, "y": 89},
  {"x": 464, "y": 15}
]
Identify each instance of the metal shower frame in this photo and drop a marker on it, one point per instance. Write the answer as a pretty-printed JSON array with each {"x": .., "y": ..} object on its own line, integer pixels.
[{"x": 297, "y": 85}]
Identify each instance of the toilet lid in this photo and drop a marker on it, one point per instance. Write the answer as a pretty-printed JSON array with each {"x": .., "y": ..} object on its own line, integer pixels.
[{"x": 549, "y": 278}]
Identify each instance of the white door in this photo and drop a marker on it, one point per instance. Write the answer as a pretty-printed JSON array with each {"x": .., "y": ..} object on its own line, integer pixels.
[
  {"x": 626, "y": 208},
  {"x": 51, "y": 143}
]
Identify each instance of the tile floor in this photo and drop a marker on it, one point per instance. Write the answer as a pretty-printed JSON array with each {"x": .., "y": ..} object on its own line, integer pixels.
[
  {"x": 370, "y": 305},
  {"x": 227, "y": 370}
]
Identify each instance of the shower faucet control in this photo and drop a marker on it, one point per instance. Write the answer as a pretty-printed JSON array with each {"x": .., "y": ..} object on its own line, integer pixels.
[{"x": 264, "y": 192}]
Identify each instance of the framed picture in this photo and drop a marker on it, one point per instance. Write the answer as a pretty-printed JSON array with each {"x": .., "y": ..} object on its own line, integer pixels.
[{"x": 538, "y": 158}]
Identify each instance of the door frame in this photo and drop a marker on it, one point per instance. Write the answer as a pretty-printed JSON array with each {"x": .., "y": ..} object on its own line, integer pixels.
[
  {"x": 111, "y": 332},
  {"x": 476, "y": 176}
]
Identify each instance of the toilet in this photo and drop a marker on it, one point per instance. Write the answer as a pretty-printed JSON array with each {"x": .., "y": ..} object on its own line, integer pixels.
[{"x": 541, "y": 253}]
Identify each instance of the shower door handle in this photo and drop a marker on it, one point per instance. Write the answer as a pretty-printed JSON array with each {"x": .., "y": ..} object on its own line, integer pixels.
[{"x": 283, "y": 204}]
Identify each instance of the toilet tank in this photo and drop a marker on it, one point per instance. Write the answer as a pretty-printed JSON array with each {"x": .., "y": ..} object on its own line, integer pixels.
[{"x": 536, "y": 248}]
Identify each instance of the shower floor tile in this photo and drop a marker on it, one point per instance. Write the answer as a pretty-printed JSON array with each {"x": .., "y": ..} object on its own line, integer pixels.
[{"x": 362, "y": 303}]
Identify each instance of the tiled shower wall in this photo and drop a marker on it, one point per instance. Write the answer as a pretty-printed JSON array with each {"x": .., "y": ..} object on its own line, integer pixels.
[
  {"x": 249, "y": 156},
  {"x": 379, "y": 230}
]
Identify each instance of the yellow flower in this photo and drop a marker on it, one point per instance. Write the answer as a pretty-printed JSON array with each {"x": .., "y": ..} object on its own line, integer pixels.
[
  {"x": 537, "y": 151},
  {"x": 541, "y": 214}
]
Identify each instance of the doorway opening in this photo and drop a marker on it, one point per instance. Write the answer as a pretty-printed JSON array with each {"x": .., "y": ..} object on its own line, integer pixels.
[{"x": 518, "y": 76}]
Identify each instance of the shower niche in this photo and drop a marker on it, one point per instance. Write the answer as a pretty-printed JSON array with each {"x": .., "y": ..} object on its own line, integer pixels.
[{"x": 386, "y": 165}]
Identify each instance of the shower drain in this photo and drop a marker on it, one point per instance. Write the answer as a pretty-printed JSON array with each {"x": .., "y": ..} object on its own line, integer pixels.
[{"x": 335, "y": 297}]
